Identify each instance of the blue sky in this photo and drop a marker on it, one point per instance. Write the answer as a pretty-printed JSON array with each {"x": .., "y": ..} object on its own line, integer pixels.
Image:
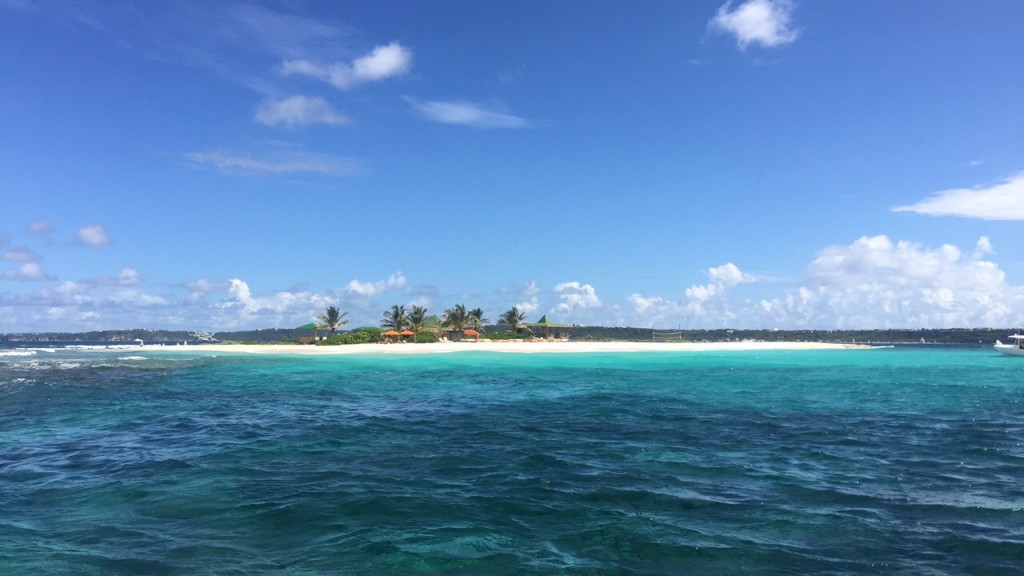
[{"x": 759, "y": 164}]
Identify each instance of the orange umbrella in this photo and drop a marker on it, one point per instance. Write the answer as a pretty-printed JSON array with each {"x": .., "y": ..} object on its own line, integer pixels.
[
  {"x": 407, "y": 333},
  {"x": 391, "y": 333},
  {"x": 471, "y": 332}
]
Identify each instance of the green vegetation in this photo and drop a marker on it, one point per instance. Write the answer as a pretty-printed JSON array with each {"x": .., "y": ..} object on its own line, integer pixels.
[
  {"x": 332, "y": 319},
  {"x": 514, "y": 319},
  {"x": 396, "y": 319},
  {"x": 507, "y": 336},
  {"x": 364, "y": 335},
  {"x": 419, "y": 322},
  {"x": 456, "y": 318}
]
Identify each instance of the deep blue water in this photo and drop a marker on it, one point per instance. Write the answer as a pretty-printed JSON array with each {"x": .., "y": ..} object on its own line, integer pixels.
[{"x": 894, "y": 461}]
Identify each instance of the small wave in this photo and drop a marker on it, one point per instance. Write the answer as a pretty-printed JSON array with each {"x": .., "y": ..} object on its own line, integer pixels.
[
  {"x": 17, "y": 352},
  {"x": 132, "y": 358}
]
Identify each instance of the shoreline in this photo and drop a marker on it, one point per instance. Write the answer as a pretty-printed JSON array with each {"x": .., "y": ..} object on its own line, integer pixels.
[{"x": 509, "y": 346}]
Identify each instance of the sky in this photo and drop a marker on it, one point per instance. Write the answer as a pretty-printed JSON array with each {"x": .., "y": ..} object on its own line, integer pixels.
[{"x": 748, "y": 164}]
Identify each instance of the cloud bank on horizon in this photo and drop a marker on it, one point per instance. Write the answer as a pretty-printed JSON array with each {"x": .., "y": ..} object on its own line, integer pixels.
[
  {"x": 870, "y": 283},
  {"x": 599, "y": 177}
]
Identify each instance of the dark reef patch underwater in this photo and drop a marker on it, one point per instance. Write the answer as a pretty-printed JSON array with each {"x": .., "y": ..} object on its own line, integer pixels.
[{"x": 903, "y": 461}]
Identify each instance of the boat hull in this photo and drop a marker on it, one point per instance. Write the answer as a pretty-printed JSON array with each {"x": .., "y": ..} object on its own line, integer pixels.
[{"x": 1009, "y": 349}]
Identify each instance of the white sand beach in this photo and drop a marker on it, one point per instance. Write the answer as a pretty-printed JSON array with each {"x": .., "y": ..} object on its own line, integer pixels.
[{"x": 507, "y": 346}]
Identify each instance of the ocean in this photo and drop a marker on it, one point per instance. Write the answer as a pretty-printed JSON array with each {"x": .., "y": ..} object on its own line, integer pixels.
[{"x": 889, "y": 461}]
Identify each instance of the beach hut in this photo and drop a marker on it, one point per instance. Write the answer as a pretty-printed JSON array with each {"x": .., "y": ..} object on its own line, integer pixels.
[
  {"x": 547, "y": 325},
  {"x": 302, "y": 333}
]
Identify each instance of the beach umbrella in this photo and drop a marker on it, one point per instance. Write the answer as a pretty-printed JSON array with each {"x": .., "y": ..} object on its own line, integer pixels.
[
  {"x": 390, "y": 333},
  {"x": 407, "y": 333}
]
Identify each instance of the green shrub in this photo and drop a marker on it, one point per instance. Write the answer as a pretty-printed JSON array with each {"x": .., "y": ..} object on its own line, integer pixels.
[
  {"x": 424, "y": 338},
  {"x": 365, "y": 335},
  {"x": 507, "y": 336}
]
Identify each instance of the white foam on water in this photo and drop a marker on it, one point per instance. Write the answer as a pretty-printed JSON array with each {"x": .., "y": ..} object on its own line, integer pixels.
[{"x": 21, "y": 352}]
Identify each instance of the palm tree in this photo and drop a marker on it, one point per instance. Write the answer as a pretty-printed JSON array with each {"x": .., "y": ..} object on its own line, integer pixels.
[
  {"x": 455, "y": 318},
  {"x": 417, "y": 319},
  {"x": 396, "y": 319},
  {"x": 476, "y": 318},
  {"x": 332, "y": 318},
  {"x": 513, "y": 318}
]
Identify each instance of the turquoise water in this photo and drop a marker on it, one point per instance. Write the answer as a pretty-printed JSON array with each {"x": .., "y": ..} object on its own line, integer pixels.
[{"x": 896, "y": 461}]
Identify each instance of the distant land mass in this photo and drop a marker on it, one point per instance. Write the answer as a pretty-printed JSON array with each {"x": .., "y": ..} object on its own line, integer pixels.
[{"x": 598, "y": 333}]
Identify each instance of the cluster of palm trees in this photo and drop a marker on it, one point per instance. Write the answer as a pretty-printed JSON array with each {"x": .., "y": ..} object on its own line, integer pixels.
[{"x": 417, "y": 319}]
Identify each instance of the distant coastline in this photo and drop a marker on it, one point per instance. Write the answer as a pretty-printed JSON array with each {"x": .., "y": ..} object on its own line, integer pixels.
[{"x": 970, "y": 336}]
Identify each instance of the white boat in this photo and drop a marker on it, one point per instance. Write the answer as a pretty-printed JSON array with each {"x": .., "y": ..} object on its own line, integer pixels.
[{"x": 1014, "y": 349}]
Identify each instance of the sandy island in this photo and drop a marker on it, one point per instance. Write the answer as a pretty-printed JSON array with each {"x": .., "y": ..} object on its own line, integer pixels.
[{"x": 509, "y": 346}]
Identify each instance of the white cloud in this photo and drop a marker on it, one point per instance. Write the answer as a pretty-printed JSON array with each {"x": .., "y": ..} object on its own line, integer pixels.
[
  {"x": 383, "y": 62},
  {"x": 870, "y": 283},
  {"x": 764, "y": 22},
  {"x": 40, "y": 227},
  {"x": 298, "y": 111},
  {"x": 232, "y": 163},
  {"x": 574, "y": 295},
  {"x": 875, "y": 283},
  {"x": 1003, "y": 201},
  {"x": 370, "y": 289},
  {"x": 466, "y": 114},
  {"x": 93, "y": 235},
  {"x": 198, "y": 289},
  {"x": 284, "y": 308},
  {"x": 983, "y": 247},
  {"x": 528, "y": 295},
  {"x": 127, "y": 277},
  {"x": 708, "y": 303},
  {"x": 655, "y": 311},
  {"x": 20, "y": 254},
  {"x": 722, "y": 278},
  {"x": 28, "y": 271}
]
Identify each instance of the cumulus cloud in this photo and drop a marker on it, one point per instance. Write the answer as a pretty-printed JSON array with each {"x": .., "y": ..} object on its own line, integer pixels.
[
  {"x": 127, "y": 277},
  {"x": 873, "y": 282},
  {"x": 28, "y": 271},
  {"x": 1003, "y": 201},
  {"x": 877, "y": 283},
  {"x": 466, "y": 114},
  {"x": 370, "y": 289},
  {"x": 233, "y": 163},
  {"x": 764, "y": 22},
  {"x": 298, "y": 111},
  {"x": 574, "y": 295},
  {"x": 721, "y": 279},
  {"x": 93, "y": 235},
  {"x": 20, "y": 254},
  {"x": 240, "y": 307},
  {"x": 383, "y": 62},
  {"x": 528, "y": 295},
  {"x": 983, "y": 247}
]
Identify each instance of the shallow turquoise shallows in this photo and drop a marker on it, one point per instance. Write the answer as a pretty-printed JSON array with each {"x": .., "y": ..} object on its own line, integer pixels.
[{"x": 894, "y": 461}]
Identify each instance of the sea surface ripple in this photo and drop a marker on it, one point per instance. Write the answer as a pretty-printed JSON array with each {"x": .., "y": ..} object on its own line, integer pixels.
[{"x": 900, "y": 461}]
